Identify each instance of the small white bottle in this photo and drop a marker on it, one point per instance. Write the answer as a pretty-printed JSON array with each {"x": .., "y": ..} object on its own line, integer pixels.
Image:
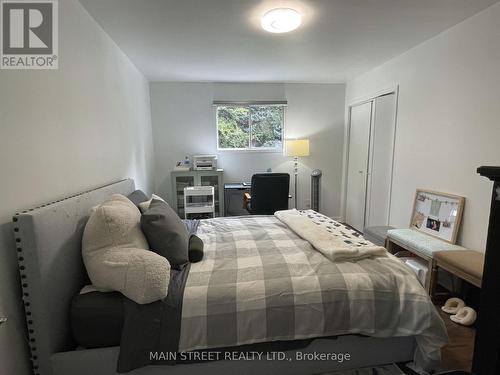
[{"x": 187, "y": 162}]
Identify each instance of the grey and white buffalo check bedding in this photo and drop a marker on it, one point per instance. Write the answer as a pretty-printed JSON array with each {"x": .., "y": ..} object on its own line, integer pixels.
[{"x": 259, "y": 282}]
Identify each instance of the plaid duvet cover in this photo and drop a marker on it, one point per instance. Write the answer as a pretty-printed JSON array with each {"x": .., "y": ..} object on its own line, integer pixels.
[{"x": 261, "y": 282}]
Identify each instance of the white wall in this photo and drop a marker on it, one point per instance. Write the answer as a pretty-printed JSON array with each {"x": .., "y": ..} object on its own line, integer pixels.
[
  {"x": 61, "y": 132},
  {"x": 448, "y": 118},
  {"x": 184, "y": 124}
]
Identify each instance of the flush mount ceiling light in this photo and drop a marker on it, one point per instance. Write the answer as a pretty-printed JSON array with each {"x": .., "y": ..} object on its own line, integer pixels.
[{"x": 281, "y": 20}]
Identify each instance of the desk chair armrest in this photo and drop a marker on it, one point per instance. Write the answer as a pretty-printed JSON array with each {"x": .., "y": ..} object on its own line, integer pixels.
[{"x": 246, "y": 200}]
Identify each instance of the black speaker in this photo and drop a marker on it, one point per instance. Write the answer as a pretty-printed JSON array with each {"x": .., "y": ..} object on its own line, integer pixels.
[{"x": 315, "y": 189}]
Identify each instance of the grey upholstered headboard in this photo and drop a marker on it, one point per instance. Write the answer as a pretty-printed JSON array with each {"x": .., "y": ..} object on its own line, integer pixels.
[{"x": 48, "y": 241}]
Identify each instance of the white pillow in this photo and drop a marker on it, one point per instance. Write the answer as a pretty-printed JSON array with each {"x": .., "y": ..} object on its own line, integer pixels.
[
  {"x": 145, "y": 205},
  {"x": 116, "y": 253}
]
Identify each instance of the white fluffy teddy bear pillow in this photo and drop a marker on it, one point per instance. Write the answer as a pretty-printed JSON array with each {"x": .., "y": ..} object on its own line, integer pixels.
[{"x": 117, "y": 256}]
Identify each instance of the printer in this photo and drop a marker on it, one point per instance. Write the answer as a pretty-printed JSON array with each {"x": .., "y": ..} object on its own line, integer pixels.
[{"x": 204, "y": 162}]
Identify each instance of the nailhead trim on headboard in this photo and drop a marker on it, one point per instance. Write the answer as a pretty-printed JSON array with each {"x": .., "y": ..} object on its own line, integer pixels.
[
  {"x": 26, "y": 294},
  {"x": 22, "y": 271}
]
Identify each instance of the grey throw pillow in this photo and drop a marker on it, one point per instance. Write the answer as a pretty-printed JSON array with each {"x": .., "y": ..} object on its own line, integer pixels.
[
  {"x": 166, "y": 233},
  {"x": 137, "y": 197}
]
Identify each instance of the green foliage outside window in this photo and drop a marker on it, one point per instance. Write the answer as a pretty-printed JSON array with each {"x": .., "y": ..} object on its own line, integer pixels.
[{"x": 250, "y": 127}]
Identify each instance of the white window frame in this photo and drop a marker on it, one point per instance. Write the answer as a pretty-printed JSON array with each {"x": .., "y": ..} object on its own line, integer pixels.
[{"x": 283, "y": 104}]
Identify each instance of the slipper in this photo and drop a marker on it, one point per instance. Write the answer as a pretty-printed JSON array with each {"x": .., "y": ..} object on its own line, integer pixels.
[
  {"x": 466, "y": 316},
  {"x": 453, "y": 305}
]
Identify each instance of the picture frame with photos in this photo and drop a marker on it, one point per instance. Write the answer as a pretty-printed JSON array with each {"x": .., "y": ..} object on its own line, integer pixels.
[{"x": 437, "y": 214}]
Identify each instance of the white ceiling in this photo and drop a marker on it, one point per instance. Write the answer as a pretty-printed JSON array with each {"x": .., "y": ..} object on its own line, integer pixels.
[{"x": 221, "y": 40}]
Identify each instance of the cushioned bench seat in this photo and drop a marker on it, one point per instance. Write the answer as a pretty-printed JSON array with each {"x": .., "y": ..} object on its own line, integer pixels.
[
  {"x": 421, "y": 242},
  {"x": 465, "y": 264}
]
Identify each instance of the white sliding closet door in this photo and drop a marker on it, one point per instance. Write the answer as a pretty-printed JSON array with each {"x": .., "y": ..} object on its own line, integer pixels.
[
  {"x": 359, "y": 142},
  {"x": 380, "y": 162}
]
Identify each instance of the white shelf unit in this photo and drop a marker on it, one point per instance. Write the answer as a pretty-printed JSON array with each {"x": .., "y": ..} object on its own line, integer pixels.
[
  {"x": 205, "y": 206},
  {"x": 183, "y": 179}
]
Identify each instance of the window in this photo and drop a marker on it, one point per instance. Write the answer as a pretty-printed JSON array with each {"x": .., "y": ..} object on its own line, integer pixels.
[{"x": 250, "y": 126}]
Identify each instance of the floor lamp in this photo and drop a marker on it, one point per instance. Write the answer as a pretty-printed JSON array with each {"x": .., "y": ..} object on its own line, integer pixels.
[{"x": 296, "y": 148}]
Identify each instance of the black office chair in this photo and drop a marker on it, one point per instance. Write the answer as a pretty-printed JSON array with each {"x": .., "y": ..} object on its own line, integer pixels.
[{"x": 268, "y": 194}]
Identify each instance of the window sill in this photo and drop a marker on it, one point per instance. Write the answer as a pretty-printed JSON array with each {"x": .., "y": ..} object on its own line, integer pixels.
[{"x": 250, "y": 151}]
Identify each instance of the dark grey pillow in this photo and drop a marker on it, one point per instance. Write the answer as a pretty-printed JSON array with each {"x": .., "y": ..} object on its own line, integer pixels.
[
  {"x": 195, "y": 248},
  {"x": 166, "y": 233},
  {"x": 97, "y": 319},
  {"x": 137, "y": 197}
]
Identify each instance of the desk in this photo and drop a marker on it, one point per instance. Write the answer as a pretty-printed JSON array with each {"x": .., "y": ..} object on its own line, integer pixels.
[
  {"x": 233, "y": 198},
  {"x": 238, "y": 186}
]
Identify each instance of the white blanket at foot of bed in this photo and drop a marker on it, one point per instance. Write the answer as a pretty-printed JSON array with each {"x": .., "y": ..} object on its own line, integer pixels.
[{"x": 331, "y": 239}]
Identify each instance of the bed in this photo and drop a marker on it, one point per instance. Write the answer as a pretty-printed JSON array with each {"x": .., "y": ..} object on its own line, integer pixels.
[{"x": 48, "y": 242}]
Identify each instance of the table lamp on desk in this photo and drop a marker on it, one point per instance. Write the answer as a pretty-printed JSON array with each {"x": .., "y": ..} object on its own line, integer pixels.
[{"x": 296, "y": 148}]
